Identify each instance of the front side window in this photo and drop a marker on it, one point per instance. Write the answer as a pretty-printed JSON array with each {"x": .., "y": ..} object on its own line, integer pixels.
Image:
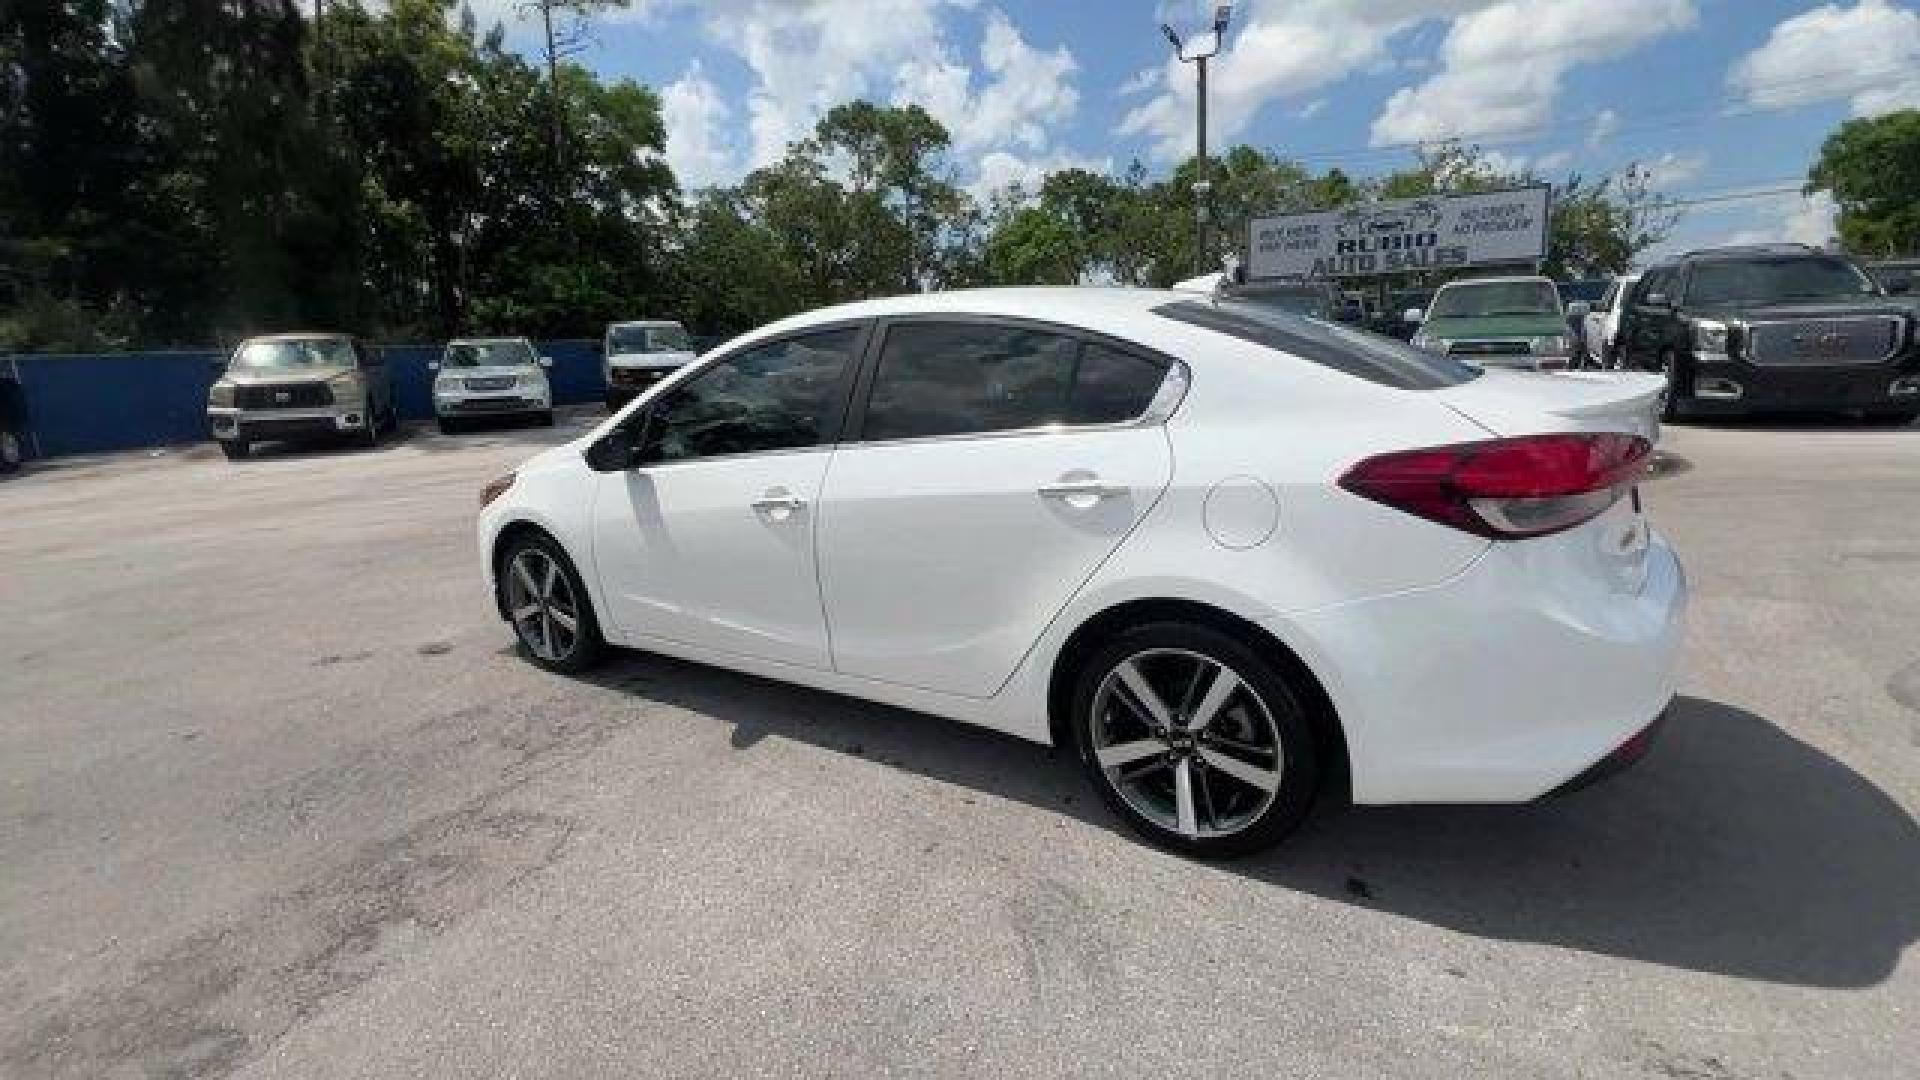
[
  {"x": 779, "y": 396},
  {"x": 1494, "y": 298},
  {"x": 939, "y": 379},
  {"x": 1766, "y": 281},
  {"x": 469, "y": 354},
  {"x": 271, "y": 353}
]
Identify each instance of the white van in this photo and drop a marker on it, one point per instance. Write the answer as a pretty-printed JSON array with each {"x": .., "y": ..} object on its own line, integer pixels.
[{"x": 641, "y": 353}]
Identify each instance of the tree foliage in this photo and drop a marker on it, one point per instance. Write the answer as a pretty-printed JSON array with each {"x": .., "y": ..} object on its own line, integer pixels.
[
  {"x": 188, "y": 171},
  {"x": 1869, "y": 165}
]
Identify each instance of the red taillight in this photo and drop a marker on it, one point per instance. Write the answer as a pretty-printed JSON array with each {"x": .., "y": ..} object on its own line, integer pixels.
[{"x": 1506, "y": 488}]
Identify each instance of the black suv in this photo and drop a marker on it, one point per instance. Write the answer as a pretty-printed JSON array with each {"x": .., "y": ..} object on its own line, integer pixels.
[{"x": 1777, "y": 327}]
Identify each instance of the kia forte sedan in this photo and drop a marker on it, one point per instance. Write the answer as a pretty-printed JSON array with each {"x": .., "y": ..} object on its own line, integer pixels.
[{"x": 1235, "y": 558}]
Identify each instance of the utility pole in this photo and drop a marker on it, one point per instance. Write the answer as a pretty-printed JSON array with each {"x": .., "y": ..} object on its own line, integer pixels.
[{"x": 1205, "y": 47}]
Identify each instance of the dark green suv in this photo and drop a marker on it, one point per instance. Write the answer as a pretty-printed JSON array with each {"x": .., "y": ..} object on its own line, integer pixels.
[{"x": 1776, "y": 327}]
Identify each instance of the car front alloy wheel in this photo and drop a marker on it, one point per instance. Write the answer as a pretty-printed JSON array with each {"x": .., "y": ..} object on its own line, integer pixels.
[{"x": 547, "y": 605}]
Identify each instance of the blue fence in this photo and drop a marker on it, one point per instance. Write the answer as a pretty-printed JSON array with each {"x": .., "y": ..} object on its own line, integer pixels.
[{"x": 93, "y": 403}]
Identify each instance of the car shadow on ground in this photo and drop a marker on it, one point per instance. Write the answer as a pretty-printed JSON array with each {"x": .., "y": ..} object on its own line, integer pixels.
[
  {"x": 1761, "y": 421},
  {"x": 1734, "y": 848}
]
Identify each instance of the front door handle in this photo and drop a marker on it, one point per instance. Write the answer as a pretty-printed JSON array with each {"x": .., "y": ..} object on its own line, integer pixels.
[
  {"x": 778, "y": 500},
  {"x": 1079, "y": 490}
]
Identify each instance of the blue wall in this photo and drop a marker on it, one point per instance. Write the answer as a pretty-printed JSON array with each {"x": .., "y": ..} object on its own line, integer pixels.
[{"x": 82, "y": 404}]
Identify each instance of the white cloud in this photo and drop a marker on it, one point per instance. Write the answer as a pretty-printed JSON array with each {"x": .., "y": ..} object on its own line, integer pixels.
[
  {"x": 1794, "y": 218},
  {"x": 1138, "y": 83},
  {"x": 1869, "y": 53},
  {"x": 697, "y": 119},
  {"x": 1025, "y": 91},
  {"x": 1502, "y": 65},
  {"x": 1672, "y": 169},
  {"x": 1000, "y": 170},
  {"x": 1606, "y": 124},
  {"x": 1278, "y": 49}
]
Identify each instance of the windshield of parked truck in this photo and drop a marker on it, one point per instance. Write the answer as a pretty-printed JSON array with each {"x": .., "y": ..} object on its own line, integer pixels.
[
  {"x": 512, "y": 352},
  {"x": 1765, "y": 281},
  {"x": 293, "y": 353},
  {"x": 1486, "y": 299},
  {"x": 648, "y": 339}
]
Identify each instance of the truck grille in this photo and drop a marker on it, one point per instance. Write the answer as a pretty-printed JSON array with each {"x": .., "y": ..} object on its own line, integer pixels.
[
  {"x": 1490, "y": 348},
  {"x": 1867, "y": 339},
  {"x": 284, "y": 396}
]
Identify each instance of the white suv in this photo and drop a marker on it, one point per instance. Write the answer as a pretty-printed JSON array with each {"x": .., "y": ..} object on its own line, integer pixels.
[{"x": 491, "y": 377}]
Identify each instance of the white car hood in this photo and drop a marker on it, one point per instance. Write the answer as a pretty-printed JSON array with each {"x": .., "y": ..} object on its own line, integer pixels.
[
  {"x": 650, "y": 360},
  {"x": 1510, "y": 402}
]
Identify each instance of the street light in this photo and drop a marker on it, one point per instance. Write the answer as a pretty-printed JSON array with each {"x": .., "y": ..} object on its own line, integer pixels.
[{"x": 1197, "y": 52}]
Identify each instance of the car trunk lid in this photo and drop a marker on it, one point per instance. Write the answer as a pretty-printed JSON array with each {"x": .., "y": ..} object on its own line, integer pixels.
[{"x": 1529, "y": 403}]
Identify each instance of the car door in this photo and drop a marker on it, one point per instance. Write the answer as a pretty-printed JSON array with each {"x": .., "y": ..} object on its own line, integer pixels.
[
  {"x": 996, "y": 465},
  {"x": 709, "y": 539}
]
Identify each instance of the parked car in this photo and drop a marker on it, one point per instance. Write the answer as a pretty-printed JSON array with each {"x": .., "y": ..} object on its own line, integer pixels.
[
  {"x": 1303, "y": 296},
  {"x": 491, "y": 377},
  {"x": 299, "y": 387},
  {"x": 13, "y": 419},
  {"x": 1776, "y": 327},
  {"x": 1602, "y": 323},
  {"x": 640, "y": 354},
  {"x": 1230, "y": 555},
  {"x": 1514, "y": 322}
]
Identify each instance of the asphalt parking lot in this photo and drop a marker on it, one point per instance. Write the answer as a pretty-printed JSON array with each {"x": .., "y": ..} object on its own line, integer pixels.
[{"x": 278, "y": 799}]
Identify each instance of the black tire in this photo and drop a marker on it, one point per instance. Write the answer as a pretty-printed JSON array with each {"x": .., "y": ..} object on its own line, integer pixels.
[
  {"x": 12, "y": 448},
  {"x": 546, "y": 418},
  {"x": 570, "y": 653},
  {"x": 235, "y": 449},
  {"x": 445, "y": 424},
  {"x": 1106, "y": 714},
  {"x": 1672, "y": 404}
]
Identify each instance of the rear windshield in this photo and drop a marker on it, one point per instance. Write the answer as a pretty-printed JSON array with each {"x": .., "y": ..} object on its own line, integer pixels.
[{"x": 1363, "y": 355}]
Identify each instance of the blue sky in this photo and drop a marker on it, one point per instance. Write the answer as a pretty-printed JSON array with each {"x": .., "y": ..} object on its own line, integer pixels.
[{"x": 1716, "y": 97}]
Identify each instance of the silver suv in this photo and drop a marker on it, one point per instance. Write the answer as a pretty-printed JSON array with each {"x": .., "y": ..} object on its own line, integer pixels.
[{"x": 290, "y": 387}]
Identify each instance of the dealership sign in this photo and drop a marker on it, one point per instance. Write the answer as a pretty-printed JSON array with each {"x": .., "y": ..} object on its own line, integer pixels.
[{"x": 1439, "y": 232}]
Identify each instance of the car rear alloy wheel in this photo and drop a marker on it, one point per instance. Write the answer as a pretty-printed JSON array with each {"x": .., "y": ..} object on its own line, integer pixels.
[
  {"x": 1195, "y": 740},
  {"x": 547, "y": 606}
]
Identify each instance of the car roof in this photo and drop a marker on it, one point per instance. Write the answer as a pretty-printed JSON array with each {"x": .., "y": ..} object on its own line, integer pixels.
[
  {"x": 484, "y": 340},
  {"x": 644, "y": 324},
  {"x": 1754, "y": 251},
  {"x": 300, "y": 336}
]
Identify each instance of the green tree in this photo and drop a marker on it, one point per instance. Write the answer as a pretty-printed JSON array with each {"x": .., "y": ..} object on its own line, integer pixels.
[
  {"x": 1869, "y": 165},
  {"x": 1035, "y": 247}
]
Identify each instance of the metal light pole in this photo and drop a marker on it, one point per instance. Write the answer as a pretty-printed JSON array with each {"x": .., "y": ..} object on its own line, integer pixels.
[{"x": 1204, "y": 48}]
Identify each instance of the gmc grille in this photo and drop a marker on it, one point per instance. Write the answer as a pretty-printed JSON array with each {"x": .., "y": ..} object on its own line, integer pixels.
[
  {"x": 284, "y": 396},
  {"x": 1866, "y": 339}
]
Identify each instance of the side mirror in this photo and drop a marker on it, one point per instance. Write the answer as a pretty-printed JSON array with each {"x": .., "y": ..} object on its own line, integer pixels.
[
  {"x": 433, "y": 365},
  {"x": 1578, "y": 309},
  {"x": 1413, "y": 315},
  {"x": 614, "y": 452},
  {"x": 546, "y": 361}
]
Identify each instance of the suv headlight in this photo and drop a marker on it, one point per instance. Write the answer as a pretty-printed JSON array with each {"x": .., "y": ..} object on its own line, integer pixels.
[
  {"x": 220, "y": 395},
  {"x": 1709, "y": 335},
  {"x": 1551, "y": 345}
]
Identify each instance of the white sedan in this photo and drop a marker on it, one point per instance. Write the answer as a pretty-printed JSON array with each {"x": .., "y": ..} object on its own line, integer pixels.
[{"x": 1237, "y": 559}]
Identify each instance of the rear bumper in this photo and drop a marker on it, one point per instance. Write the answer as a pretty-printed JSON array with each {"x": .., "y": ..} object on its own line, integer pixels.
[
  {"x": 1789, "y": 389},
  {"x": 1501, "y": 684},
  {"x": 267, "y": 425}
]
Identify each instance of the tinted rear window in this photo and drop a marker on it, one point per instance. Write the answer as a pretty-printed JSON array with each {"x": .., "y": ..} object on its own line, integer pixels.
[{"x": 1366, "y": 356}]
